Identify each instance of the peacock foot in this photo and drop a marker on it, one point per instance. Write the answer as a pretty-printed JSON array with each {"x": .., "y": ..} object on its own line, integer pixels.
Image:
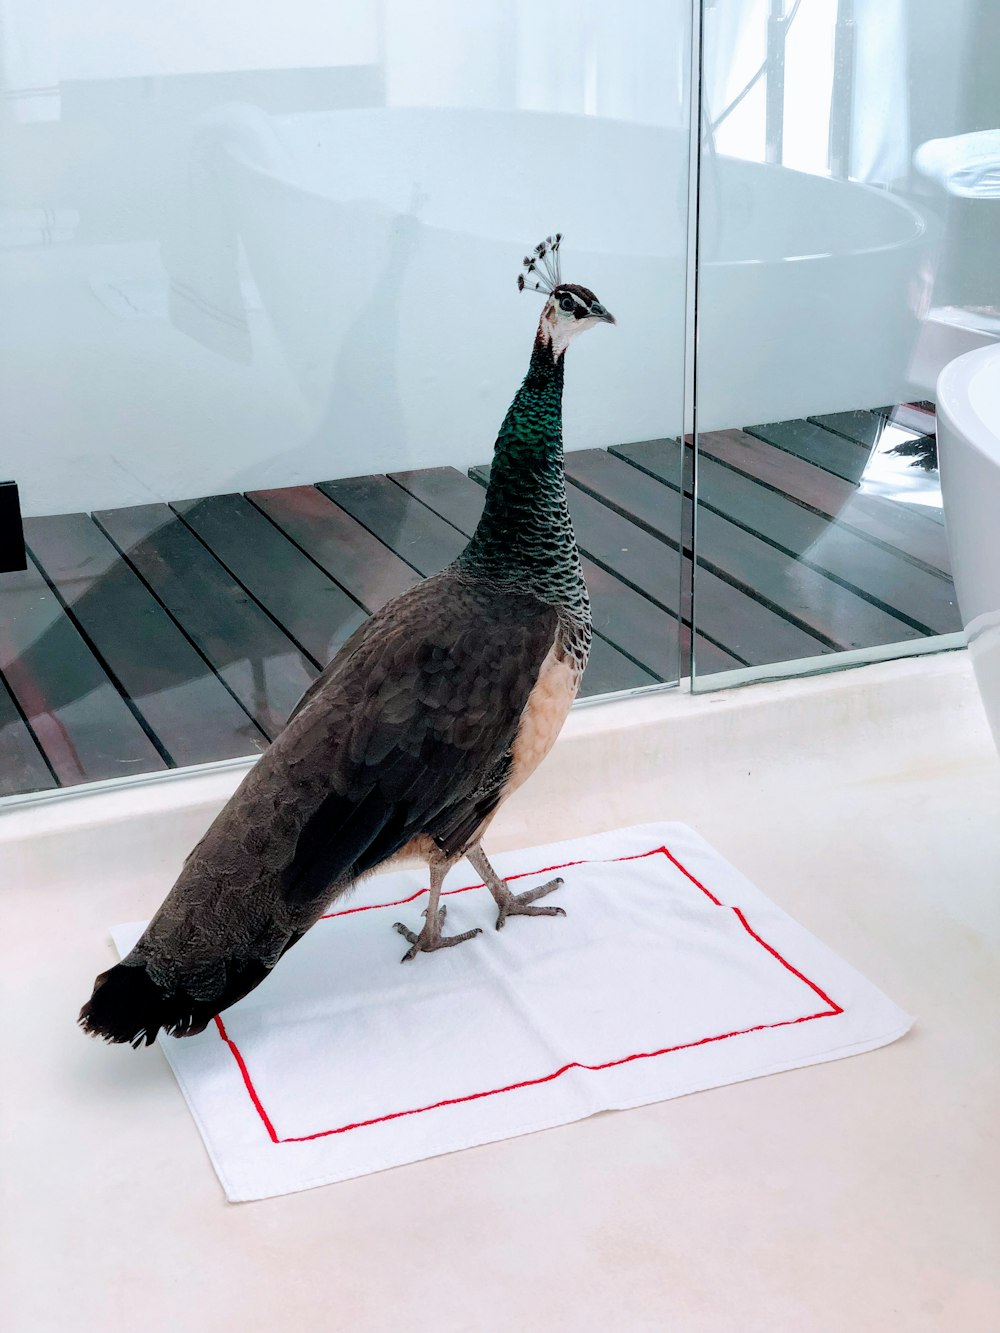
[
  {"x": 520, "y": 904},
  {"x": 430, "y": 938}
]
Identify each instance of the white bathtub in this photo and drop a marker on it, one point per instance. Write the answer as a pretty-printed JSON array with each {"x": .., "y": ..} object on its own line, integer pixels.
[
  {"x": 968, "y": 407},
  {"x": 385, "y": 244}
]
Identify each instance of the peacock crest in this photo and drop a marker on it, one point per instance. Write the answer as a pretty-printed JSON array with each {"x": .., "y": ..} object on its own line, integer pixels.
[{"x": 541, "y": 268}]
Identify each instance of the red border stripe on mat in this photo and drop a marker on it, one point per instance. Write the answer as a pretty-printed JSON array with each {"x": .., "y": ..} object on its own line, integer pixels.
[{"x": 832, "y": 1012}]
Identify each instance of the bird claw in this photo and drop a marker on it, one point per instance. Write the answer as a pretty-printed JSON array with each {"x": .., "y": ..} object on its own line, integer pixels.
[
  {"x": 430, "y": 937},
  {"x": 520, "y": 904}
]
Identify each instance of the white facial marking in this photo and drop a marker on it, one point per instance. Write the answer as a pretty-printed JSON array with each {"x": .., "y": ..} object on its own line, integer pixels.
[{"x": 559, "y": 328}]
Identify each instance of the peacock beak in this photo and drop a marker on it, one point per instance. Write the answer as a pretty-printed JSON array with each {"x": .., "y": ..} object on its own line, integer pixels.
[{"x": 607, "y": 317}]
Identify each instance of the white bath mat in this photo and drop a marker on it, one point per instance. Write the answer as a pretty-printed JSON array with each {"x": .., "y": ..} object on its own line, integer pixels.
[{"x": 671, "y": 973}]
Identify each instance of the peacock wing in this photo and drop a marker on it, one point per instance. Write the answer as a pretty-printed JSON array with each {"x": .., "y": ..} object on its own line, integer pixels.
[
  {"x": 412, "y": 733},
  {"x": 409, "y": 733}
]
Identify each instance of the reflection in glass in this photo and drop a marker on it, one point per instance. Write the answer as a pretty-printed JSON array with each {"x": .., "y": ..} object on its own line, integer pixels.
[
  {"x": 260, "y": 327},
  {"x": 842, "y": 268}
]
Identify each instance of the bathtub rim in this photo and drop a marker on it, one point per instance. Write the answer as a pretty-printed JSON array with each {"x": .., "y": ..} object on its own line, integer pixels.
[
  {"x": 955, "y": 404},
  {"x": 915, "y": 233}
]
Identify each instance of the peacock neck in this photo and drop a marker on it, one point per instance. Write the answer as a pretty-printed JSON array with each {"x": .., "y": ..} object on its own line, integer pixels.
[{"x": 525, "y": 535}]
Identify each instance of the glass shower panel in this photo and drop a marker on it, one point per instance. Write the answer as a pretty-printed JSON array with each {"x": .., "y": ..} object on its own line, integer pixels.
[
  {"x": 845, "y": 259},
  {"x": 260, "y": 326}
]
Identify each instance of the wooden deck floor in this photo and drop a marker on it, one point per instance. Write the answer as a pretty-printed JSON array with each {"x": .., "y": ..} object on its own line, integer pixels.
[{"x": 164, "y": 635}]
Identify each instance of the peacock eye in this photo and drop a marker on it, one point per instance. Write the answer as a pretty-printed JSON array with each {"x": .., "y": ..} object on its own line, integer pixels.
[{"x": 566, "y": 304}]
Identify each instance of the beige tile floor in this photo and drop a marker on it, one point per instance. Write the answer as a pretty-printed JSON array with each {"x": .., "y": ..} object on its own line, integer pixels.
[{"x": 851, "y": 1197}]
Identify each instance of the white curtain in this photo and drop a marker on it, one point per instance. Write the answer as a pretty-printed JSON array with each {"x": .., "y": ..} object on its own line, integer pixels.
[
  {"x": 880, "y": 147},
  {"x": 736, "y": 48},
  {"x": 626, "y": 60}
]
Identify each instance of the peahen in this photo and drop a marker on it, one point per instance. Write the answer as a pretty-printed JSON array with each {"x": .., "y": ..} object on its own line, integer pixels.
[{"x": 431, "y": 714}]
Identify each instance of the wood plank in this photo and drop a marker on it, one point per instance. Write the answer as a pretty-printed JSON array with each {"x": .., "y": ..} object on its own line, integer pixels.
[
  {"x": 925, "y": 600},
  {"x": 652, "y": 567},
  {"x": 261, "y": 666},
  {"x": 805, "y": 440},
  {"x": 648, "y": 565},
  {"x": 184, "y": 704},
  {"x": 783, "y": 472},
  {"x": 861, "y": 427},
  {"x": 312, "y": 609},
  {"x": 609, "y": 671},
  {"x": 709, "y": 658},
  {"x": 895, "y": 526},
  {"x": 742, "y": 627},
  {"x": 921, "y": 420},
  {"x": 429, "y": 542},
  {"x": 747, "y": 627},
  {"x": 450, "y": 493},
  {"x": 22, "y": 765},
  {"x": 338, "y": 543},
  {"x": 84, "y": 726},
  {"x": 422, "y": 538},
  {"x": 628, "y": 619},
  {"x": 813, "y": 600},
  {"x": 832, "y": 612}
]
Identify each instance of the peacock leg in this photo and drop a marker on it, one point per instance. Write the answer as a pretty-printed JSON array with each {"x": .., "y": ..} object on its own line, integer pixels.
[
  {"x": 511, "y": 904},
  {"x": 430, "y": 937}
]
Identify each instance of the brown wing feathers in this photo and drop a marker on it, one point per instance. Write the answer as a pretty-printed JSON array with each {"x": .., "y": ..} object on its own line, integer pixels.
[
  {"x": 407, "y": 732},
  {"x": 427, "y": 742}
]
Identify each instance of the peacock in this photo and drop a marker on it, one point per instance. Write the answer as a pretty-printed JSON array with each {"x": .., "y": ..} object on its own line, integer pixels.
[{"x": 429, "y": 716}]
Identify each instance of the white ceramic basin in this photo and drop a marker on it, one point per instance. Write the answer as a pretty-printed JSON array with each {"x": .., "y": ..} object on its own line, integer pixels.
[{"x": 968, "y": 407}]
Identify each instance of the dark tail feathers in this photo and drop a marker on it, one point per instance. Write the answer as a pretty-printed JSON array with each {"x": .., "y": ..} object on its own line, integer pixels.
[{"x": 127, "y": 1005}]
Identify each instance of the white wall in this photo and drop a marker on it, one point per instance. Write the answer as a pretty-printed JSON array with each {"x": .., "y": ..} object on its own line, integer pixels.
[{"x": 115, "y": 39}]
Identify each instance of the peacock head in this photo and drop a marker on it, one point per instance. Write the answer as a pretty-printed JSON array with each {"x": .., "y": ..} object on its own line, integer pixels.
[{"x": 569, "y": 308}]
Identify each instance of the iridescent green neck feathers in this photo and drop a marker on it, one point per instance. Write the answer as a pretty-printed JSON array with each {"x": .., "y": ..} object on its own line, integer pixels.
[{"x": 525, "y": 535}]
